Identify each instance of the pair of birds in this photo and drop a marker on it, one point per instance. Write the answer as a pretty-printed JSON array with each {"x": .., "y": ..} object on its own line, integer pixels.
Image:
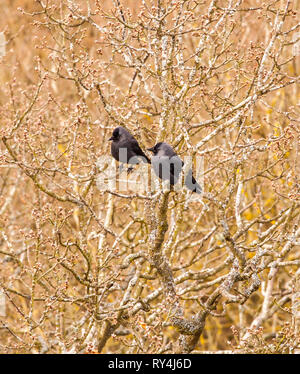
[{"x": 165, "y": 162}]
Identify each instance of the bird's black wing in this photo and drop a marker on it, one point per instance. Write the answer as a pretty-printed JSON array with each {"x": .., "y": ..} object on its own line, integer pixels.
[
  {"x": 176, "y": 165},
  {"x": 136, "y": 149},
  {"x": 191, "y": 183}
]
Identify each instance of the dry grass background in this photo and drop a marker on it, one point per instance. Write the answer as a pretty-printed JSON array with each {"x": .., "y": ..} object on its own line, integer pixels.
[{"x": 64, "y": 243}]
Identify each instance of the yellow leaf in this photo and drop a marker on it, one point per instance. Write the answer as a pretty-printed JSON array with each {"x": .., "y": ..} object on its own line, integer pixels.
[
  {"x": 248, "y": 216},
  {"x": 62, "y": 149},
  {"x": 277, "y": 129},
  {"x": 143, "y": 325}
]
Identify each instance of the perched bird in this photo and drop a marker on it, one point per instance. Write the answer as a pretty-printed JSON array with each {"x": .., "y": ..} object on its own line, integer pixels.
[
  {"x": 125, "y": 148},
  {"x": 168, "y": 166}
]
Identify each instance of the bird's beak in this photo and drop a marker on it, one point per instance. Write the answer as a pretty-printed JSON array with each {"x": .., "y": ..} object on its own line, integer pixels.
[
  {"x": 150, "y": 149},
  {"x": 110, "y": 139}
]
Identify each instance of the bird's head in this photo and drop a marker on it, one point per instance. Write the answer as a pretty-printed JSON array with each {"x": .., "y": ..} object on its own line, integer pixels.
[
  {"x": 162, "y": 149},
  {"x": 155, "y": 149},
  {"x": 117, "y": 133}
]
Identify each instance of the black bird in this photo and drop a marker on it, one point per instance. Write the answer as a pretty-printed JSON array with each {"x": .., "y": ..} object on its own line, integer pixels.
[
  {"x": 125, "y": 148},
  {"x": 168, "y": 166}
]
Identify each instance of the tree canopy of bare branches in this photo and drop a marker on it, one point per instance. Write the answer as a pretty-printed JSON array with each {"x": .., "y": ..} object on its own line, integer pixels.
[{"x": 85, "y": 269}]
